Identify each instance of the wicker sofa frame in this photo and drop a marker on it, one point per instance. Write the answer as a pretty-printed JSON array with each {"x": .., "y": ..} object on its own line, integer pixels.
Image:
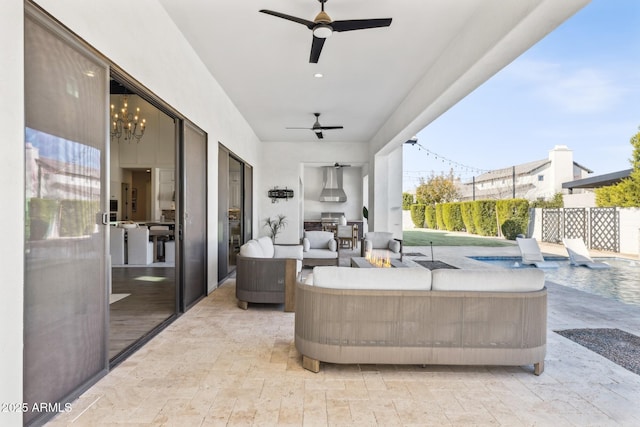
[
  {"x": 420, "y": 327},
  {"x": 264, "y": 280}
]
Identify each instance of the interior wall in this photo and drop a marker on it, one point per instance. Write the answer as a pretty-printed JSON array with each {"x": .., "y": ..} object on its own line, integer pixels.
[
  {"x": 140, "y": 186},
  {"x": 154, "y": 151},
  {"x": 12, "y": 214}
]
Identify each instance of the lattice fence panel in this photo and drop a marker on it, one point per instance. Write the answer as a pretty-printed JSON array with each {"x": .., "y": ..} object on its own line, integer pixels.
[
  {"x": 605, "y": 229},
  {"x": 575, "y": 223},
  {"x": 552, "y": 225}
]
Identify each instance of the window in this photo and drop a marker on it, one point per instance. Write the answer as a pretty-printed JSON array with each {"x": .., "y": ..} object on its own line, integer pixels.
[{"x": 540, "y": 177}]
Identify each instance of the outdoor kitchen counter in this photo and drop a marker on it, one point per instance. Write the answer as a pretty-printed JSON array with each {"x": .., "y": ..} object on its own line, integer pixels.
[{"x": 316, "y": 225}]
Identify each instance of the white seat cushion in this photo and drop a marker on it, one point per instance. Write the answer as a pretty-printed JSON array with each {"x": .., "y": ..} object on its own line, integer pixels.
[
  {"x": 379, "y": 239},
  {"x": 251, "y": 249},
  {"x": 287, "y": 251},
  {"x": 502, "y": 280},
  {"x": 267, "y": 246},
  {"x": 417, "y": 278},
  {"x": 320, "y": 253},
  {"x": 383, "y": 253}
]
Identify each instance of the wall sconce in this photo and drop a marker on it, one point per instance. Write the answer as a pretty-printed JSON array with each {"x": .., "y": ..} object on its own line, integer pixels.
[{"x": 276, "y": 194}]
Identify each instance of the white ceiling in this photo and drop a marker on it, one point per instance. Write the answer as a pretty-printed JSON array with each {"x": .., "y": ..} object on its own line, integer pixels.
[{"x": 377, "y": 82}]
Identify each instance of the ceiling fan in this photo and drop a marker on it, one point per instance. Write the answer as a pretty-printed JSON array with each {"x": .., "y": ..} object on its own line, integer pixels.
[
  {"x": 322, "y": 27},
  {"x": 340, "y": 165},
  {"x": 317, "y": 128}
]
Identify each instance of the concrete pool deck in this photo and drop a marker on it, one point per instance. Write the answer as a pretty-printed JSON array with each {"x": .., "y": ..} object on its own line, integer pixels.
[{"x": 220, "y": 365}]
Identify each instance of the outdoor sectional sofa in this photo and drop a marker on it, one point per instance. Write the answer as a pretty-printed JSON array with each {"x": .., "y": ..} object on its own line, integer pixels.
[
  {"x": 264, "y": 271},
  {"x": 416, "y": 316}
]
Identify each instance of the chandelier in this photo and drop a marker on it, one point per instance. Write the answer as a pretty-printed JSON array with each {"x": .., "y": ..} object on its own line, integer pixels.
[{"x": 126, "y": 124}]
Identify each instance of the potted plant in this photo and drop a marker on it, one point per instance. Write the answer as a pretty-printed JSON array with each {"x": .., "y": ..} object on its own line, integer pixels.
[{"x": 275, "y": 225}]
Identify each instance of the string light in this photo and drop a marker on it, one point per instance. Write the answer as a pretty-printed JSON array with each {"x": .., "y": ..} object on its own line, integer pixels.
[{"x": 454, "y": 165}]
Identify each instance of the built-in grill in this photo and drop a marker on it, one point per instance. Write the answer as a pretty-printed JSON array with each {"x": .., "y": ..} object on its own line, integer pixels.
[{"x": 331, "y": 218}]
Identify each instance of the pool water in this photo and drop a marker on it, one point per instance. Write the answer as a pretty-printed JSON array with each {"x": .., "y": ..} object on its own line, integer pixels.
[{"x": 620, "y": 282}]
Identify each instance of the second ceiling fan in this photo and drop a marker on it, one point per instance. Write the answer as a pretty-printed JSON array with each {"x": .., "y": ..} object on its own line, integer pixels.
[
  {"x": 322, "y": 27},
  {"x": 317, "y": 128}
]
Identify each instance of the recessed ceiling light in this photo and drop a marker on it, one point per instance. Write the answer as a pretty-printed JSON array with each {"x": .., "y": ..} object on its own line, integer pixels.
[{"x": 318, "y": 75}]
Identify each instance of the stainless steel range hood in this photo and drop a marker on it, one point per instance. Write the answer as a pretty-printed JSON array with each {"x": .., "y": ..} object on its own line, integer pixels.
[{"x": 332, "y": 185}]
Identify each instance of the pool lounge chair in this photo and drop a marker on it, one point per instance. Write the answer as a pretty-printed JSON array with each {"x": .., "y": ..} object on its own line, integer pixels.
[
  {"x": 532, "y": 255},
  {"x": 579, "y": 254}
]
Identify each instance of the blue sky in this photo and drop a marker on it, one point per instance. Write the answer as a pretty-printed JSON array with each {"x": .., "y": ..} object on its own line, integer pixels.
[{"x": 579, "y": 86}]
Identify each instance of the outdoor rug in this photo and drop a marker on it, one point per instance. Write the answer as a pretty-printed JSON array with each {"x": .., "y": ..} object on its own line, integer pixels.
[
  {"x": 434, "y": 265},
  {"x": 413, "y": 254},
  {"x": 616, "y": 345}
]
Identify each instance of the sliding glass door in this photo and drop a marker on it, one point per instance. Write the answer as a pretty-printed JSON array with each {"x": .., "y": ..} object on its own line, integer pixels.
[
  {"x": 235, "y": 205},
  {"x": 65, "y": 307},
  {"x": 193, "y": 227}
]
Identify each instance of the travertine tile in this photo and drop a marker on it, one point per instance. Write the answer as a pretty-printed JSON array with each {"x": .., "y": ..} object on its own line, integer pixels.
[{"x": 220, "y": 365}]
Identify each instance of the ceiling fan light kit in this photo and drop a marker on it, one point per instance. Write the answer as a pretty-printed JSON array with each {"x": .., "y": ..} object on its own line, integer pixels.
[{"x": 322, "y": 31}]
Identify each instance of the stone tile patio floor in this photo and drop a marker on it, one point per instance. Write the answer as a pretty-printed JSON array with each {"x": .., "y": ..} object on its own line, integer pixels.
[{"x": 220, "y": 365}]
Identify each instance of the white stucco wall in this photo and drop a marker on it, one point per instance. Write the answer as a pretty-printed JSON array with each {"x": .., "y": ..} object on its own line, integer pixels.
[
  {"x": 12, "y": 213},
  {"x": 580, "y": 200}
]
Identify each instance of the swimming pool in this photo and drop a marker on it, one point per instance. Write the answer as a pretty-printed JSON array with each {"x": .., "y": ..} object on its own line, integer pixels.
[{"x": 620, "y": 282}]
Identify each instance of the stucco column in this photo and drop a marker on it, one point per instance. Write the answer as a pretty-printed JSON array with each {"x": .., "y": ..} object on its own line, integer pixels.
[{"x": 385, "y": 193}]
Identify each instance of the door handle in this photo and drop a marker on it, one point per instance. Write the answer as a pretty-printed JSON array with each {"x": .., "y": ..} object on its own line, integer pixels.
[{"x": 102, "y": 217}]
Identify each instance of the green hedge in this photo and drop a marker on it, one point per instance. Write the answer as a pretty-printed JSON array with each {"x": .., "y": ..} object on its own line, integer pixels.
[
  {"x": 484, "y": 217},
  {"x": 439, "y": 218},
  {"x": 452, "y": 216},
  {"x": 430, "y": 217},
  {"x": 480, "y": 217},
  {"x": 417, "y": 215},
  {"x": 466, "y": 210},
  {"x": 77, "y": 217},
  {"x": 41, "y": 214},
  {"x": 407, "y": 201},
  {"x": 515, "y": 212}
]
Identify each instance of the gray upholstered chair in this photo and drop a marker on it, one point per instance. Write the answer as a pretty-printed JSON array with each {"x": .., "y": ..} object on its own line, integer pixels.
[
  {"x": 319, "y": 248},
  {"x": 381, "y": 244},
  {"x": 264, "y": 273}
]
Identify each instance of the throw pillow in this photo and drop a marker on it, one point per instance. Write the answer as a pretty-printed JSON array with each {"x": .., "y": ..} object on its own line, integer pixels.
[
  {"x": 394, "y": 246},
  {"x": 333, "y": 245},
  {"x": 306, "y": 244}
]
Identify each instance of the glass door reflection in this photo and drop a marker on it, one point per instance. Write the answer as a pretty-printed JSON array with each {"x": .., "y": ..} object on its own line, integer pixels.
[{"x": 235, "y": 213}]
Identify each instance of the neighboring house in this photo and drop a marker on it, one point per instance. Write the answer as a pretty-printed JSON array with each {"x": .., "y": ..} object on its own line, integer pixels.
[
  {"x": 537, "y": 180},
  {"x": 581, "y": 191}
]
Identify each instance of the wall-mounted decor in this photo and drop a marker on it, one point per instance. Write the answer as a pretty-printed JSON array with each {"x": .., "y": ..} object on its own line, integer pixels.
[
  {"x": 134, "y": 199},
  {"x": 277, "y": 193}
]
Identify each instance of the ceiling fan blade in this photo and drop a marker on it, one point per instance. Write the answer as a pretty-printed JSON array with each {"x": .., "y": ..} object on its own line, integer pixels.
[
  {"x": 330, "y": 127},
  {"x": 360, "y": 24},
  {"x": 300, "y": 128},
  {"x": 305, "y": 22},
  {"x": 316, "y": 48}
]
